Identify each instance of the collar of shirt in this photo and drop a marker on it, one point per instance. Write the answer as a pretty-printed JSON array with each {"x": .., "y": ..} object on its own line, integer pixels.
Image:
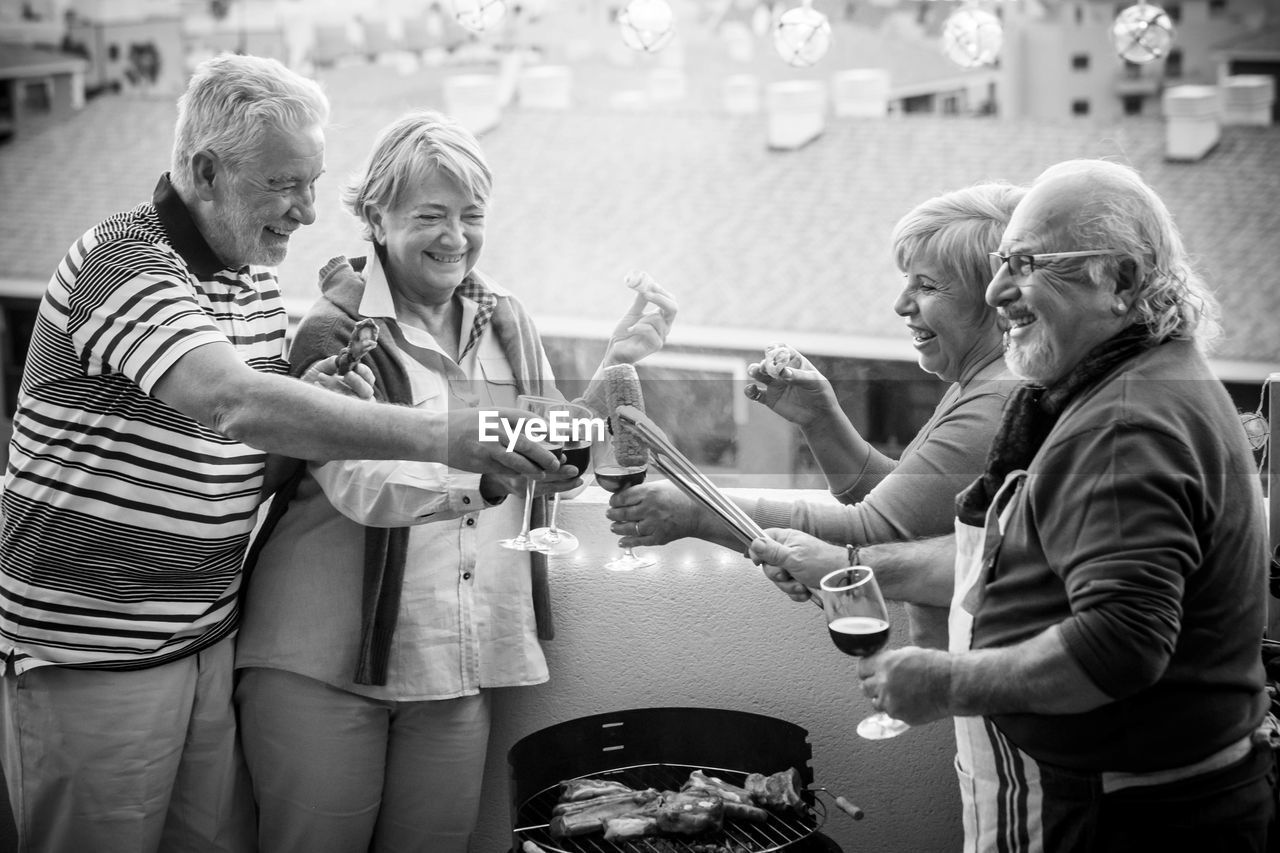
[
  {"x": 185, "y": 236},
  {"x": 419, "y": 345}
]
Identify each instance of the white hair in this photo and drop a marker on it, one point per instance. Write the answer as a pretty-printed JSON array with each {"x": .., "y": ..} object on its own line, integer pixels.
[
  {"x": 1125, "y": 214},
  {"x": 405, "y": 152},
  {"x": 232, "y": 101}
]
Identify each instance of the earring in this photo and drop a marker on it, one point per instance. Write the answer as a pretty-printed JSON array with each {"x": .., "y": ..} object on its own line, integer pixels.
[{"x": 1119, "y": 307}]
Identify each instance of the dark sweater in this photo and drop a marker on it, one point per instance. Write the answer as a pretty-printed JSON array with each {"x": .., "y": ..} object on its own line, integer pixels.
[{"x": 1141, "y": 530}]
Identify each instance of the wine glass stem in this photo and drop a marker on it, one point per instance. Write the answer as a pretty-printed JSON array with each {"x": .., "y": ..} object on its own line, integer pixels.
[
  {"x": 528, "y": 510},
  {"x": 553, "y": 532}
]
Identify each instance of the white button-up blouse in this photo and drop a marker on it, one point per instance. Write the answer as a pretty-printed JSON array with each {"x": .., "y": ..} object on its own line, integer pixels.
[{"x": 466, "y": 614}]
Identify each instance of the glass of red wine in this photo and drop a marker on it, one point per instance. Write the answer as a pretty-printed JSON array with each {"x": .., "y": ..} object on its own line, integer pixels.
[
  {"x": 613, "y": 477},
  {"x": 540, "y": 407},
  {"x": 576, "y": 452},
  {"x": 859, "y": 625}
]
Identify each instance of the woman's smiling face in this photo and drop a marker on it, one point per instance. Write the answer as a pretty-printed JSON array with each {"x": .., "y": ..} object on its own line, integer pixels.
[
  {"x": 433, "y": 236},
  {"x": 952, "y": 328}
]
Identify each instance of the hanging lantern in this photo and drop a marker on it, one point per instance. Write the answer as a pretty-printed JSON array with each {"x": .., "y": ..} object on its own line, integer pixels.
[
  {"x": 1142, "y": 33},
  {"x": 802, "y": 35},
  {"x": 646, "y": 25},
  {"x": 972, "y": 37},
  {"x": 478, "y": 16}
]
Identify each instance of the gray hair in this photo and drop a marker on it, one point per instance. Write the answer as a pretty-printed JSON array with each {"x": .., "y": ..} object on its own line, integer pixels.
[
  {"x": 405, "y": 152},
  {"x": 232, "y": 101},
  {"x": 958, "y": 230},
  {"x": 1125, "y": 214}
]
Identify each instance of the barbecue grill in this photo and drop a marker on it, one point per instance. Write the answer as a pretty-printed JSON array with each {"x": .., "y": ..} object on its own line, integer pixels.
[{"x": 659, "y": 748}]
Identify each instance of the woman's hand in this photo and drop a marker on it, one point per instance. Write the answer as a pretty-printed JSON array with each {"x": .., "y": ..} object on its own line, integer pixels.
[
  {"x": 652, "y": 514},
  {"x": 638, "y": 333},
  {"x": 799, "y": 394},
  {"x": 357, "y": 382},
  {"x": 795, "y": 561}
]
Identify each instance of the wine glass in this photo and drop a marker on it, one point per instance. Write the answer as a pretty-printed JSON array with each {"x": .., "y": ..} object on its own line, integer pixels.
[
  {"x": 614, "y": 477},
  {"x": 575, "y": 452},
  {"x": 539, "y": 407},
  {"x": 859, "y": 625}
]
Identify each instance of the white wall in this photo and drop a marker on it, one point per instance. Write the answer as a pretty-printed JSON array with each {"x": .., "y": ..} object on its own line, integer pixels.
[{"x": 704, "y": 628}]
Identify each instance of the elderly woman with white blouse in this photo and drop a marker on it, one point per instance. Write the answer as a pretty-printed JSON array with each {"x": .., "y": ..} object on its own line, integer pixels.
[{"x": 381, "y": 609}]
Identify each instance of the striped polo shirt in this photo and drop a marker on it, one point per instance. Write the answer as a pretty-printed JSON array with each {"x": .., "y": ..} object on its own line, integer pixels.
[{"x": 125, "y": 521}]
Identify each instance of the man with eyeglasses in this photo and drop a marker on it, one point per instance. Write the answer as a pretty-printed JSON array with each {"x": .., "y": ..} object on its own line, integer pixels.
[{"x": 1108, "y": 573}]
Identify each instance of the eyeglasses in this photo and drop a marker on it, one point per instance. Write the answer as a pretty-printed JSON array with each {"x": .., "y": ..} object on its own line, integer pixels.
[{"x": 1024, "y": 264}]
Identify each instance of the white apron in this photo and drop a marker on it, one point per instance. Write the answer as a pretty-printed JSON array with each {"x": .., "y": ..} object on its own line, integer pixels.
[{"x": 999, "y": 783}]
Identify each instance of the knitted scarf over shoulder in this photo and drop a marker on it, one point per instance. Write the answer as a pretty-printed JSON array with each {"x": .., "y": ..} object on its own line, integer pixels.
[
  {"x": 325, "y": 330},
  {"x": 1031, "y": 412}
]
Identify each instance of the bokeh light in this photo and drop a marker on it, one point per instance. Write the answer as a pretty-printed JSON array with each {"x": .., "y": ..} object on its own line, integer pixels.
[
  {"x": 802, "y": 36},
  {"x": 479, "y": 16},
  {"x": 1142, "y": 33},
  {"x": 646, "y": 25},
  {"x": 972, "y": 37}
]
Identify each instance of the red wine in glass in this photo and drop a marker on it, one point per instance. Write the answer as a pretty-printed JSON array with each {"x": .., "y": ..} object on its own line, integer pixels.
[
  {"x": 615, "y": 478},
  {"x": 578, "y": 455},
  {"x": 858, "y": 622},
  {"x": 859, "y": 635}
]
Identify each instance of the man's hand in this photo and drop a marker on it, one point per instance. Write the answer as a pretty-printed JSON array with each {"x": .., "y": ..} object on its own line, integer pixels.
[
  {"x": 909, "y": 684},
  {"x": 465, "y": 450},
  {"x": 495, "y": 486},
  {"x": 652, "y": 514},
  {"x": 801, "y": 395},
  {"x": 357, "y": 382},
  {"x": 638, "y": 333},
  {"x": 795, "y": 561}
]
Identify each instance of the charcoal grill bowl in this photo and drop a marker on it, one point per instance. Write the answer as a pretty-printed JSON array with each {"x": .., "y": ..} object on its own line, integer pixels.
[{"x": 708, "y": 737}]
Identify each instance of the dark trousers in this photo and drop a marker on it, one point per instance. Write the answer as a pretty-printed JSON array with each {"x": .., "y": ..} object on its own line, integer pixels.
[{"x": 1227, "y": 811}]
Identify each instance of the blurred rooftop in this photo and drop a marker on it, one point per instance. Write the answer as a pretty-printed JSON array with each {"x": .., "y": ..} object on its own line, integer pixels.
[{"x": 757, "y": 243}]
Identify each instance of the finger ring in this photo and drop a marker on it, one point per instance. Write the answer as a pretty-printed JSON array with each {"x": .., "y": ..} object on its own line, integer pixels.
[{"x": 637, "y": 526}]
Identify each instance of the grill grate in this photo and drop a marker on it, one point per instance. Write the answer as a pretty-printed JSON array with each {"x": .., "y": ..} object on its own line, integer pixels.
[{"x": 533, "y": 817}]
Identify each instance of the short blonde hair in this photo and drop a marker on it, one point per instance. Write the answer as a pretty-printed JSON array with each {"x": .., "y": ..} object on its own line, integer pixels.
[
  {"x": 958, "y": 230},
  {"x": 230, "y": 104},
  {"x": 405, "y": 152}
]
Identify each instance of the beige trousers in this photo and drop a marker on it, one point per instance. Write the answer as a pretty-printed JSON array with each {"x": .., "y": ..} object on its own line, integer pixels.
[{"x": 144, "y": 761}]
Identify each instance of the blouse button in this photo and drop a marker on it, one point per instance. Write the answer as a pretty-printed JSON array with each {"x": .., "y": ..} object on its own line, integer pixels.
[
  {"x": 471, "y": 522},
  {"x": 466, "y": 576},
  {"x": 466, "y": 500}
]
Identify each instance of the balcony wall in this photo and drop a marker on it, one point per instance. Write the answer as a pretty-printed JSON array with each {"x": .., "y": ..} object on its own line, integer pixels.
[{"x": 704, "y": 628}]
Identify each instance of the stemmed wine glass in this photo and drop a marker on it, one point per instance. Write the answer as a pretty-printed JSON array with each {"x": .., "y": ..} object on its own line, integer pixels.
[
  {"x": 576, "y": 452},
  {"x": 540, "y": 407},
  {"x": 614, "y": 477},
  {"x": 859, "y": 625}
]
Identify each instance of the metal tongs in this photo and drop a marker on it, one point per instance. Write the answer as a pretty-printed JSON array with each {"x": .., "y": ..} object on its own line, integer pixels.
[{"x": 677, "y": 468}]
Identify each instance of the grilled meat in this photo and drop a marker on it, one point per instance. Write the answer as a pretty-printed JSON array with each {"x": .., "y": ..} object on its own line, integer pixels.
[
  {"x": 576, "y": 790},
  {"x": 588, "y": 816},
  {"x": 779, "y": 792},
  {"x": 690, "y": 812},
  {"x": 738, "y": 803},
  {"x": 623, "y": 828},
  {"x": 729, "y": 793}
]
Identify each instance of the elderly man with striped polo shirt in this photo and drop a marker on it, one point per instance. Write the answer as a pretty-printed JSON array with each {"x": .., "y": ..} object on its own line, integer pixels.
[{"x": 153, "y": 392}]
